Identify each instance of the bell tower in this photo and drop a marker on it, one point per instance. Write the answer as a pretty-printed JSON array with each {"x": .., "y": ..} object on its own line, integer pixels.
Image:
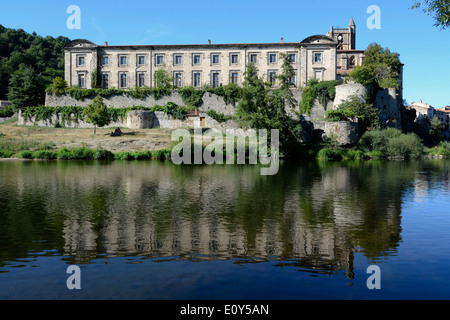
[
  {"x": 345, "y": 37},
  {"x": 352, "y": 34}
]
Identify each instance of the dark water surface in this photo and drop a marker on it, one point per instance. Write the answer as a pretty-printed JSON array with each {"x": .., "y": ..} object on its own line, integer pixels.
[{"x": 154, "y": 230}]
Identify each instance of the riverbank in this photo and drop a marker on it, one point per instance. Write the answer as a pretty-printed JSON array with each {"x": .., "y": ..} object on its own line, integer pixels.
[
  {"x": 46, "y": 143},
  {"x": 32, "y": 138}
]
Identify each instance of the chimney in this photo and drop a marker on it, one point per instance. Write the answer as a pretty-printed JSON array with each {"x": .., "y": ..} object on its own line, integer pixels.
[
  {"x": 106, "y": 43},
  {"x": 282, "y": 40},
  {"x": 209, "y": 41}
]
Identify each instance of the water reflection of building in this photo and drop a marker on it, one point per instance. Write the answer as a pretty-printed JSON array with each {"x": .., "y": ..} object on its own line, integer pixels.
[{"x": 212, "y": 213}]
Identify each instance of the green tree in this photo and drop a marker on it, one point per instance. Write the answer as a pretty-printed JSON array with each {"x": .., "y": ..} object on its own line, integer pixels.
[
  {"x": 263, "y": 107},
  {"x": 163, "y": 78},
  {"x": 439, "y": 9},
  {"x": 59, "y": 86},
  {"x": 26, "y": 88},
  {"x": 380, "y": 67},
  {"x": 285, "y": 82},
  {"x": 355, "y": 107},
  {"x": 97, "y": 113},
  {"x": 436, "y": 129},
  {"x": 44, "y": 54},
  {"x": 96, "y": 79}
]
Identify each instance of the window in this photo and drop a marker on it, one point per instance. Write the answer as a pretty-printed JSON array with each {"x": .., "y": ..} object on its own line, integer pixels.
[
  {"x": 141, "y": 79},
  {"x": 159, "y": 60},
  {"x": 81, "y": 80},
  {"x": 272, "y": 77},
  {"x": 215, "y": 59},
  {"x": 215, "y": 79},
  {"x": 273, "y": 58},
  {"x": 122, "y": 80},
  {"x": 123, "y": 60},
  {"x": 178, "y": 79},
  {"x": 317, "y": 57},
  {"x": 197, "y": 59},
  {"x": 141, "y": 60},
  {"x": 178, "y": 60},
  {"x": 81, "y": 61},
  {"x": 234, "y": 58},
  {"x": 253, "y": 58},
  {"x": 292, "y": 80},
  {"x": 352, "y": 61},
  {"x": 196, "y": 79},
  {"x": 105, "y": 81},
  {"x": 234, "y": 77},
  {"x": 292, "y": 57},
  {"x": 105, "y": 60}
]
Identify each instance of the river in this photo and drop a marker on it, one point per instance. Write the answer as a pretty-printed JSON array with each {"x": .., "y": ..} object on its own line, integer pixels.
[{"x": 159, "y": 231}]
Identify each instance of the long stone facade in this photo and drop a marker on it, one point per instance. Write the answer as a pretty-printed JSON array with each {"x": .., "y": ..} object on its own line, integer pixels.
[{"x": 323, "y": 57}]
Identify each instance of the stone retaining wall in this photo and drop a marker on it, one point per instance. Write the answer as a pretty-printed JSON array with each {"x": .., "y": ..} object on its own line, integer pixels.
[
  {"x": 136, "y": 119},
  {"x": 210, "y": 102}
]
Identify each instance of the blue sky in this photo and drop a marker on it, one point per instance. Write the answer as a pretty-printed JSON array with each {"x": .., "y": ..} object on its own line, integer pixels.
[{"x": 423, "y": 48}]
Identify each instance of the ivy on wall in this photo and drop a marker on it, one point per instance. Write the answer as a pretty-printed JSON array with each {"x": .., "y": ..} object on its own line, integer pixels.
[
  {"x": 192, "y": 97},
  {"x": 323, "y": 90},
  {"x": 75, "y": 113}
]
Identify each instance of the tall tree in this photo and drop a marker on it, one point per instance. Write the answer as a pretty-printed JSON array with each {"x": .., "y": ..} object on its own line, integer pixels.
[
  {"x": 26, "y": 88},
  {"x": 264, "y": 107},
  {"x": 380, "y": 67},
  {"x": 44, "y": 54},
  {"x": 439, "y": 9}
]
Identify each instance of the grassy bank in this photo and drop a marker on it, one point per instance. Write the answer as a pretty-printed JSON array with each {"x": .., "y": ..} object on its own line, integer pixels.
[
  {"x": 24, "y": 142},
  {"x": 82, "y": 153}
]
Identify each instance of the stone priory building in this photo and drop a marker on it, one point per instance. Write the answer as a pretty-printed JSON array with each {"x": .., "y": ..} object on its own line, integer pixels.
[{"x": 323, "y": 57}]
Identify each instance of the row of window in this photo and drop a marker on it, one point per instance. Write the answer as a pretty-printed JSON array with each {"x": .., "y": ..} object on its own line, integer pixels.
[
  {"x": 178, "y": 79},
  {"x": 160, "y": 59}
]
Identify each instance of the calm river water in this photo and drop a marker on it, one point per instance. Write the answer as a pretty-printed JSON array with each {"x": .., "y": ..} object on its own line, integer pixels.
[{"x": 154, "y": 230}]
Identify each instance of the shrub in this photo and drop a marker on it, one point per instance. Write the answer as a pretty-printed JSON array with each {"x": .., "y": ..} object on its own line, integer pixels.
[
  {"x": 329, "y": 154},
  {"x": 219, "y": 117},
  {"x": 6, "y": 112},
  {"x": 45, "y": 155},
  {"x": 6, "y": 153},
  {"x": 374, "y": 140},
  {"x": 123, "y": 156},
  {"x": 340, "y": 114},
  {"x": 161, "y": 154},
  {"x": 352, "y": 154},
  {"x": 142, "y": 155},
  {"x": 25, "y": 155},
  {"x": 443, "y": 149},
  {"x": 391, "y": 142},
  {"x": 80, "y": 153},
  {"x": 103, "y": 155},
  {"x": 405, "y": 146}
]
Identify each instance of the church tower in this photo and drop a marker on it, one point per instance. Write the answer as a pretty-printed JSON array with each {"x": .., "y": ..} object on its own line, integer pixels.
[
  {"x": 352, "y": 34},
  {"x": 345, "y": 37}
]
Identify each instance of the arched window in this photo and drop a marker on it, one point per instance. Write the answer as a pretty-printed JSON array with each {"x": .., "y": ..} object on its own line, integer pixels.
[{"x": 352, "y": 61}]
